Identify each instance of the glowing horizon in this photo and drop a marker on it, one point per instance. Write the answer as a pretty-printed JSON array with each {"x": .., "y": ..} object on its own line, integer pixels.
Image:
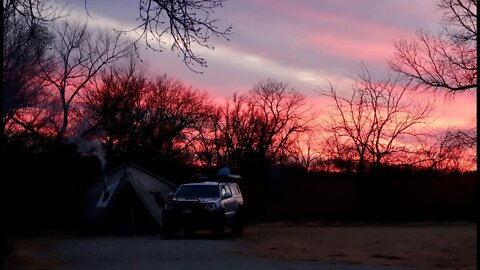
[{"x": 306, "y": 44}]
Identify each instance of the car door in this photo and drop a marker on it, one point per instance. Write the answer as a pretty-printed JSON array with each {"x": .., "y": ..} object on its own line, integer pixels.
[
  {"x": 228, "y": 202},
  {"x": 237, "y": 195}
]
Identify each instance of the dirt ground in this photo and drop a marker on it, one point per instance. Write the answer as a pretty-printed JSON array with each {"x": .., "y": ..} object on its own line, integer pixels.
[
  {"x": 32, "y": 254},
  {"x": 419, "y": 246}
]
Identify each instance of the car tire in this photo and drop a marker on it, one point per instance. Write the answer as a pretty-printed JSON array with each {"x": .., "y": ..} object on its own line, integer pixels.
[{"x": 237, "y": 227}]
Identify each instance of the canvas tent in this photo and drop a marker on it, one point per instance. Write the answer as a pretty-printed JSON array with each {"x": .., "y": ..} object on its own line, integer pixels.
[{"x": 128, "y": 201}]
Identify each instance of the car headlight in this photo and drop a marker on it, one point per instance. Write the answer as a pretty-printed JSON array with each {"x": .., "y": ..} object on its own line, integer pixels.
[{"x": 209, "y": 207}]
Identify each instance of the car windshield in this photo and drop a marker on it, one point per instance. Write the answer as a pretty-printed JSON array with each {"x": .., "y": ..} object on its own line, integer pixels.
[{"x": 198, "y": 191}]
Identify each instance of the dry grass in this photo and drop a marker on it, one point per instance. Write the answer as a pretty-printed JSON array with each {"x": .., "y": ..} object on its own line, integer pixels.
[{"x": 434, "y": 246}]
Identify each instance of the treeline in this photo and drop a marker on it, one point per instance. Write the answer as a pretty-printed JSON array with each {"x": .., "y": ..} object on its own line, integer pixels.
[
  {"x": 77, "y": 102},
  {"x": 67, "y": 83},
  {"x": 122, "y": 114}
]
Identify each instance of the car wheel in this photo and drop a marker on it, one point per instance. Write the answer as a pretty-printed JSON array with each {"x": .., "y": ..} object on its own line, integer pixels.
[{"x": 237, "y": 227}]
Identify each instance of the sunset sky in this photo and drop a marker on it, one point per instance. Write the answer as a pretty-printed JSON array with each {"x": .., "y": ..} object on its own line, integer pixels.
[{"x": 304, "y": 43}]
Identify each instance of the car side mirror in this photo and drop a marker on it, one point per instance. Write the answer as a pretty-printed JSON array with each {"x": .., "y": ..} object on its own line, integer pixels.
[
  {"x": 227, "y": 195},
  {"x": 170, "y": 195}
]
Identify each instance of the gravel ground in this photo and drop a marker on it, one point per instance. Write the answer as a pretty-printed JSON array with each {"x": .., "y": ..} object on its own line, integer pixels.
[
  {"x": 423, "y": 246},
  {"x": 266, "y": 246},
  {"x": 155, "y": 253}
]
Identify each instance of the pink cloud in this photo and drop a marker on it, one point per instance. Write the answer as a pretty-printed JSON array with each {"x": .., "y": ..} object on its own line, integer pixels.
[
  {"x": 344, "y": 35},
  {"x": 458, "y": 111},
  {"x": 346, "y": 47},
  {"x": 346, "y": 20}
]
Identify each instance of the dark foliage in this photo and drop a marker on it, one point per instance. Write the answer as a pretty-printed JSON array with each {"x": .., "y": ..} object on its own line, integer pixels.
[
  {"x": 42, "y": 190},
  {"x": 392, "y": 195}
]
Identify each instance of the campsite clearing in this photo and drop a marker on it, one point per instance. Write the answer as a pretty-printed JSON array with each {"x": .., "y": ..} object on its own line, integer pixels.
[
  {"x": 269, "y": 246},
  {"x": 422, "y": 246}
]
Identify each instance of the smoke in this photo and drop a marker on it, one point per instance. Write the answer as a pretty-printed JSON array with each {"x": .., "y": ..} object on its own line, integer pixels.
[{"x": 91, "y": 148}]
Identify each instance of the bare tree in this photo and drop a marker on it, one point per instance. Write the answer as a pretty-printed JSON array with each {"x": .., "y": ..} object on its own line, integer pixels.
[
  {"x": 134, "y": 115},
  {"x": 283, "y": 113},
  {"x": 25, "y": 37},
  {"x": 258, "y": 127},
  {"x": 78, "y": 54},
  {"x": 239, "y": 129},
  {"x": 179, "y": 26},
  {"x": 452, "y": 150},
  {"x": 23, "y": 48},
  {"x": 109, "y": 105},
  {"x": 445, "y": 60},
  {"x": 376, "y": 121},
  {"x": 339, "y": 155},
  {"x": 307, "y": 151},
  {"x": 32, "y": 11},
  {"x": 28, "y": 127},
  {"x": 172, "y": 114},
  {"x": 205, "y": 144}
]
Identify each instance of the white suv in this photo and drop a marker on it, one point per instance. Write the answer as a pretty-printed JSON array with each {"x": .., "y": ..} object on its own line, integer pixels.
[{"x": 207, "y": 205}]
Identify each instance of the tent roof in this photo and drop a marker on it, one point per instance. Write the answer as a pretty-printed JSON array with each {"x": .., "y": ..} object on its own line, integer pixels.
[
  {"x": 145, "y": 184},
  {"x": 126, "y": 167}
]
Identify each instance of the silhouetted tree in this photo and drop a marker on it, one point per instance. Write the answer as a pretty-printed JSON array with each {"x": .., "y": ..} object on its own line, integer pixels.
[
  {"x": 180, "y": 26},
  {"x": 453, "y": 150},
  {"x": 32, "y": 11},
  {"x": 155, "y": 119},
  {"x": 239, "y": 131},
  {"x": 109, "y": 105},
  {"x": 375, "y": 121},
  {"x": 445, "y": 60},
  {"x": 23, "y": 48},
  {"x": 25, "y": 38},
  {"x": 77, "y": 54},
  {"x": 256, "y": 128},
  {"x": 206, "y": 144},
  {"x": 172, "y": 114},
  {"x": 307, "y": 151}
]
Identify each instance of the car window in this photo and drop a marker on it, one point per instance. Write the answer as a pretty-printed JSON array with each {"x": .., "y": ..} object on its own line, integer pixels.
[
  {"x": 197, "y": 191},
  {"x": 225, "y": 189},
  {"x": 235, "y": 189}
]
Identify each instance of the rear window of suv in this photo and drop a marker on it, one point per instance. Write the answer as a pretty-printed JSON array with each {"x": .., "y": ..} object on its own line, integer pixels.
[
  {"x": 235, "y": 189},
  {"x": 198, "y": 191}
]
